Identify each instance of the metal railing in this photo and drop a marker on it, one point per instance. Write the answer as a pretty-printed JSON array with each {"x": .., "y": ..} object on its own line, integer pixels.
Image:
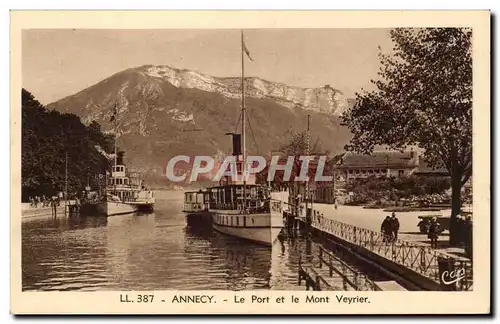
[
  {"x": 351, "y": 277},
  {"x": 339, "y": 273},
  {"x": 419, "y": 258}
]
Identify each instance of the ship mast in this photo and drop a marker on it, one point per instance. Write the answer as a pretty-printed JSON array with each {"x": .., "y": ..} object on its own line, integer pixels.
[
  {"x": 116, "y": 137},
  {"x": 243, "y": 119}
]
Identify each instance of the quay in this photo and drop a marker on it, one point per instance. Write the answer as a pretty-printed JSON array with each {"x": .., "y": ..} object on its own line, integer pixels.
[
  {"x": 411, "y": 264},
  {"x": 72, "y": 208}
]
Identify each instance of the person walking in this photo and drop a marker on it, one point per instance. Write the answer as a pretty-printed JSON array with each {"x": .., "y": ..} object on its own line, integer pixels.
[
  {"x": 394, "y": 227},
  {"x": 433, "y": 232},
  {"x": 385, "y": 228},
  {"x": 53, "y": 207}
]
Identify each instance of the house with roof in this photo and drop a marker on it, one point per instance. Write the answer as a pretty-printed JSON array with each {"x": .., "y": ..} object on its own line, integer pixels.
[{"x": 378, "y": 164}]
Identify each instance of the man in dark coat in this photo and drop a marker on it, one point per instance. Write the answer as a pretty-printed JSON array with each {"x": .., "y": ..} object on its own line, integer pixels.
[
  {"x": 394, "y": 227},
  {"x": 385, "y": 228},
  {"x": 433, "y": 232}
]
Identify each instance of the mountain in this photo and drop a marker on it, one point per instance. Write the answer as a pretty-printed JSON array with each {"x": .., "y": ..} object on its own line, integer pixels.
[{"x": 163, "y": 112}]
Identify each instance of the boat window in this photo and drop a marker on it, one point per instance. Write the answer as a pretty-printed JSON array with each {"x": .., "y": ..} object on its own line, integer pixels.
[
  {"x": 244, "y": 221},
  {"x": 231, "y": 221},
  {"x": 237, "y": 221}
]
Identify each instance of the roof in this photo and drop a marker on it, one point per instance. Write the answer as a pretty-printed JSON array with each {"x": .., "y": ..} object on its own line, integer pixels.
[{"x": 383, "y": 159}]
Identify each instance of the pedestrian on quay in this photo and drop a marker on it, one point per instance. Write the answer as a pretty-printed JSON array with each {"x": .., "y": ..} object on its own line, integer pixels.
[
  {"x": 433, "y": 232},
  {"x": 460, "y": 229},
  {"x": 53, "y": 207},
  {"x": 394, "y": 227},
  {"x": 385, "y": 228}
]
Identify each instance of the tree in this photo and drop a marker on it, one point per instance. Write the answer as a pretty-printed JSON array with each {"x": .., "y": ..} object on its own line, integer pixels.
[
  {"x": 423, "y": 97},
  {"x": 47, "y": 136}
]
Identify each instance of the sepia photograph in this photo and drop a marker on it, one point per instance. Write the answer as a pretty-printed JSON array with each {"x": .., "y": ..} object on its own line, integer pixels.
[{"x": 248, "y": 159}]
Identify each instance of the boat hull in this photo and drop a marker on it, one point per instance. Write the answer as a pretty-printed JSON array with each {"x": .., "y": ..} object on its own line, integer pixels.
[
  {"x": 260, "y": 228},
  {"x": 265, "y": 235},
  {"x": 111, "y": 208}
]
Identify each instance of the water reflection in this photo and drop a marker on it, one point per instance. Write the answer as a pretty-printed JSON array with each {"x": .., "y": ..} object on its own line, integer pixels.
[{"x": 155, "y": 251}]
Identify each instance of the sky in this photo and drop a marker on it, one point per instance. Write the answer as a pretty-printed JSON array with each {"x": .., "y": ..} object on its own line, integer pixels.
[{"x": 59, "y": 63}]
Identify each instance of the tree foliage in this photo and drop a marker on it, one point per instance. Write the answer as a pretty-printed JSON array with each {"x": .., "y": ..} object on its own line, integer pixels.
[
  {"x": 423, "y": 97},
  {"x": 47, "y": 136}
]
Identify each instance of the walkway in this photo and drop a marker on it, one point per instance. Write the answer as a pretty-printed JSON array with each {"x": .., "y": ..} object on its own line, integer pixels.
[
  {"x": 361, "y": 227},
  {"x": 372, "y": 219}
]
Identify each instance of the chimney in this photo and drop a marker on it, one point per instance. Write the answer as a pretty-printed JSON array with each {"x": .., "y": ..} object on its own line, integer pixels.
[
  {"x": 119, "y": 158},
  {"x": 236, "y": 144}
]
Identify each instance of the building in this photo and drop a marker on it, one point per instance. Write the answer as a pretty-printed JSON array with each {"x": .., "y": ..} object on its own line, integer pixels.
[
  {"x": 378, "y": 164},
  {"x": 349, "y": 166},
  {"x": 425, "y": 170}
]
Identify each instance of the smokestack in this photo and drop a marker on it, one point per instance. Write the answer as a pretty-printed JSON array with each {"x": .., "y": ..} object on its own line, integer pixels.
[
  {"x": 236, "y": 144},
  {"x": 119, "y": 158}
]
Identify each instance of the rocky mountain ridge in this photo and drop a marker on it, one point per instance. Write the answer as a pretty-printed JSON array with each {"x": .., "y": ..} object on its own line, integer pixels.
[{"x": 163, "y": 112}]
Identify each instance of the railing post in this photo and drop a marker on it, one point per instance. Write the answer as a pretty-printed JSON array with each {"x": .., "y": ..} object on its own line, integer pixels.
[
  {"x": 422, "y": 258},
  {"x": 330, "y": 264},
  {"x": 320, "y": 257},
  {"x": 356, "y": 282}
]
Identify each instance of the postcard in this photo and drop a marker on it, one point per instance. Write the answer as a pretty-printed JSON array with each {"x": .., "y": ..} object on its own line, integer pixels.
[{"x": 244, "y": 162}]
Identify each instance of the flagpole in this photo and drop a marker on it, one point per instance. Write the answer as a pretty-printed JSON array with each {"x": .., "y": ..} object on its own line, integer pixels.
[
  {"x": 243, "y": 119},
  {"x": 116, "y": 135}
]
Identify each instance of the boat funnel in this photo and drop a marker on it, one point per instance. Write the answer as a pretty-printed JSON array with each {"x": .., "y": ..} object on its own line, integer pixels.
[
  {"x": 236, "y": 144},
  {"x": 119, "y": 158}
]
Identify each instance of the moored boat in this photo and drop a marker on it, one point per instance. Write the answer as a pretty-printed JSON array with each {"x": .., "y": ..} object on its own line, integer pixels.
[
  {"x": 239, "y": 207},
  {"x": 125, "y": 193},
  {"x": 255, "y": 218}
]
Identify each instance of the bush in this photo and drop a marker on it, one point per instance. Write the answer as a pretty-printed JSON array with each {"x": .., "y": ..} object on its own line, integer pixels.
[{"x": 373, "y": 190}]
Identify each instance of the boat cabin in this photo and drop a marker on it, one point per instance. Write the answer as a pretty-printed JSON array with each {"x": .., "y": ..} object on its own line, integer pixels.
[
  {"x": 230, "y": 197},
  {"x": 121, "y": 177},
  {"x": 126, "y": 186},
  {"x": 195, "y": 201}
]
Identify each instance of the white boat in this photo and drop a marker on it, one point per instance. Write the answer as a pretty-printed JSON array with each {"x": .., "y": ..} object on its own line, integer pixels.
[
  {"x": 125, "y": 194},
  {"x": 262, "y": 219},
  {"x": 239, "y": 207}
]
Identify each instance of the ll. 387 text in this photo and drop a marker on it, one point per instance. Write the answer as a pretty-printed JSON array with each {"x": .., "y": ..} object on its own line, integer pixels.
[{"x": 139, "y": 298}]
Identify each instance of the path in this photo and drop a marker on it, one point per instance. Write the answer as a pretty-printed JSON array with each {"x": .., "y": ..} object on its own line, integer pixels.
[{"x": 372, "y": 219}]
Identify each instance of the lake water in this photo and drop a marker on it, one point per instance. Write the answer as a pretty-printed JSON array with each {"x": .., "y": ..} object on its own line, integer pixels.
[{"x": 155, "y": 251}]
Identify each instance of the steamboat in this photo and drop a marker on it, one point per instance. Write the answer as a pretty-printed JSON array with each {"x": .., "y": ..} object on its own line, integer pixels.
[{"x": 238, "y": 206}]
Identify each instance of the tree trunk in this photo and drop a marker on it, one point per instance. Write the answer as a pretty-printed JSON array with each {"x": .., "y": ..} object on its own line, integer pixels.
[{"x": 456, "y": 204}]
